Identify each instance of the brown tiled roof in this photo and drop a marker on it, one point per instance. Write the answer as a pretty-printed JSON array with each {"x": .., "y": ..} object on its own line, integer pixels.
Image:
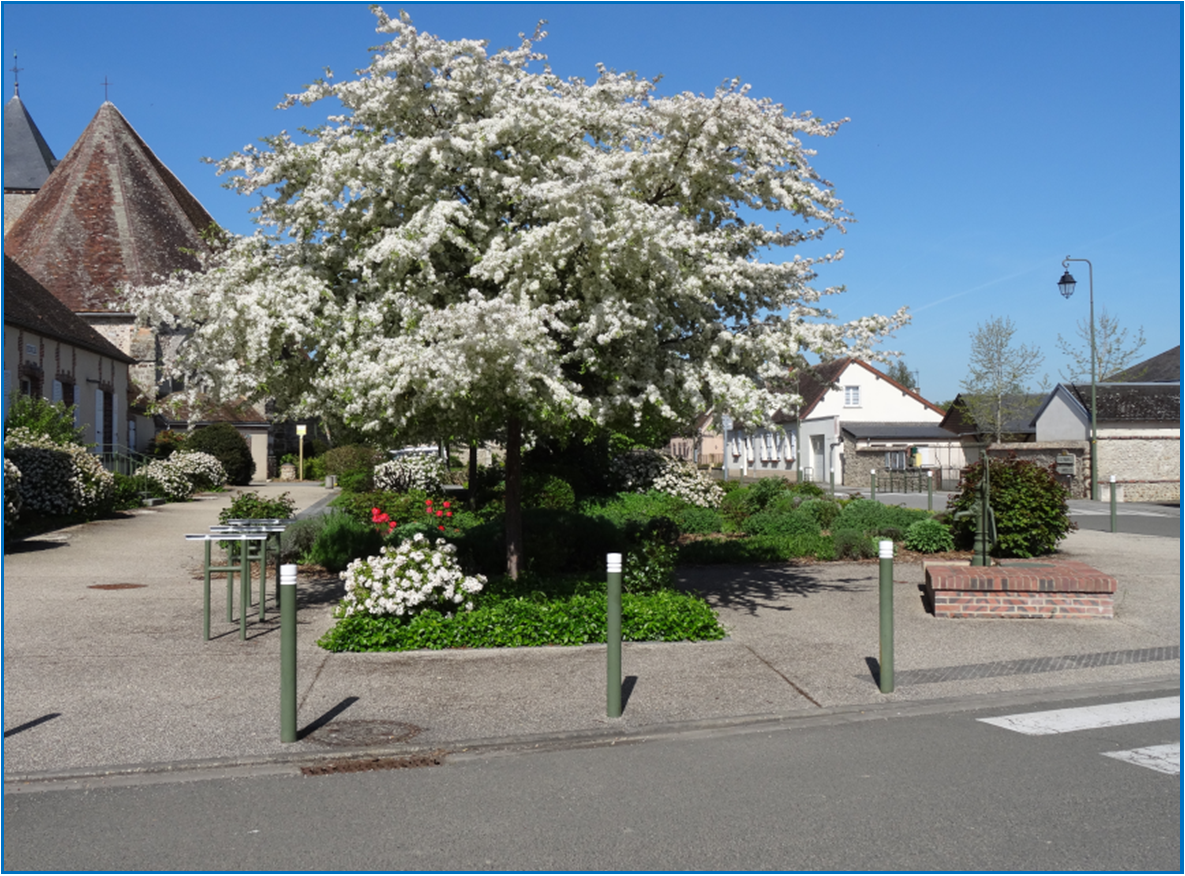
[
  {"x": 109, "y": 215},
  {"x": 176, "y": 411},
  {"x": 28, "y": 160},
  {"x": 30, "y": 306}
]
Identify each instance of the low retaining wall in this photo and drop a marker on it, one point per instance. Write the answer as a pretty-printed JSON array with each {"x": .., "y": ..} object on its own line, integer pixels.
[{"x": 1021, "y": 589}]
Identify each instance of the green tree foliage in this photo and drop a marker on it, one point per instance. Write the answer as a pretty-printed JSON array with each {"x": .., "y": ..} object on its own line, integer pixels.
[{"x": 1032, "y": 514}]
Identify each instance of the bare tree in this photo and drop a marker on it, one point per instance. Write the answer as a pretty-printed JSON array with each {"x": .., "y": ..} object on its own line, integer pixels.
[
  {"x": 1113, "y": 351},
  {"x": 997, "y": 389}
]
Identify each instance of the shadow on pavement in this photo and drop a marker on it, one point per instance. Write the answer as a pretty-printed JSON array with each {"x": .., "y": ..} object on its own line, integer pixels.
[{"x": 754, "y": 588}]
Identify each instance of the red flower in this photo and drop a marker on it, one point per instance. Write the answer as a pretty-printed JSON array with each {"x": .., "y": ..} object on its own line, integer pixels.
[
  {"x": 446, "y": 504},
  {"x": 448, "y": 514},
  {"x": 439, "y": 513},
  {"x": 441, "y": 528},
  {"x": 429, "y": 501}
]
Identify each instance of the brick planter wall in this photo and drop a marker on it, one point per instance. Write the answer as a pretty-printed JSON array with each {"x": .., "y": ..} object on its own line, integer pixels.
[{"x": 1021, "y": 589}]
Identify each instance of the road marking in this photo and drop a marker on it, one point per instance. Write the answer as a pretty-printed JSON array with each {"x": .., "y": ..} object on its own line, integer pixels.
[
  {"x": 1162, "y": 758},
  {"x": 1090, "y": 717}
]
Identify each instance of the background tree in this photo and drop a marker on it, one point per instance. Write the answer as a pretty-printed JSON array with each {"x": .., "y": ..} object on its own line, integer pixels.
[
  {"x": 996, "y": 390},
  {"x": 900, "y": 372},
  {"x": 1113, "y": 350},
  {"x": 476, "y": 247}
]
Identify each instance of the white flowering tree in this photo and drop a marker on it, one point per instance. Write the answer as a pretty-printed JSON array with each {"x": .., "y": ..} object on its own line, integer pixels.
[{"x": 475, "y": 246}]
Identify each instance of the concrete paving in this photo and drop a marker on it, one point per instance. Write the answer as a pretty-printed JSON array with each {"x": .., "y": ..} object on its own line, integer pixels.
[{"x": 101, "y": 681}]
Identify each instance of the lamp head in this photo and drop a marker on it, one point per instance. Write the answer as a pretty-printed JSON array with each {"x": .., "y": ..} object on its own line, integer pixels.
[{"x": 1066, "y": 284}]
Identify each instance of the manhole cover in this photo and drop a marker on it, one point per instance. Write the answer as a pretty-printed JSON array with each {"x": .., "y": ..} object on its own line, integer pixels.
[
  {"x": 115, "y": 586},
  {"x": 350, "y": 734}
]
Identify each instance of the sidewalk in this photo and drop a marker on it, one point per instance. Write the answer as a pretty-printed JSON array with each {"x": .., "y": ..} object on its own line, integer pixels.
[{"x": 102, "y": 680}]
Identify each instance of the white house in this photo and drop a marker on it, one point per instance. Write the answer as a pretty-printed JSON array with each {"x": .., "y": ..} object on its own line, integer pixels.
[{"x": 853, "y": 418}]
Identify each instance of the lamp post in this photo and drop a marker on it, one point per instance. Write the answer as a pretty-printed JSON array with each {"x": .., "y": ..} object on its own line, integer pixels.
[{"x": 1066, "y": 286}]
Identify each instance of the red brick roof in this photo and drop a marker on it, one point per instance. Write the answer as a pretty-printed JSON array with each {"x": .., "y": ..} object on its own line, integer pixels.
[
  {"x": 110, "y": 214},
  {"x": 29, "y": 305}
]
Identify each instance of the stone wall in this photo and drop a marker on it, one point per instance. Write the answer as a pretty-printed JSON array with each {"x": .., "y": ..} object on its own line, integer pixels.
[
  {"x": 1147, "y": 468},
  {"x": 1045, "y": 453}
]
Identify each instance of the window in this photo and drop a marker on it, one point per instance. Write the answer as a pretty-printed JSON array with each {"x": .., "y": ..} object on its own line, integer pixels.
[{"x": 851, "y": 396}]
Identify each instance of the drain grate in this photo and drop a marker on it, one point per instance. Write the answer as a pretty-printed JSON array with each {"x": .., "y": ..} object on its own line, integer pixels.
[
  {"x": 115, "y": 586},
  {"x": 366, "y": 764},
  {"x": 352, "y": 734}
]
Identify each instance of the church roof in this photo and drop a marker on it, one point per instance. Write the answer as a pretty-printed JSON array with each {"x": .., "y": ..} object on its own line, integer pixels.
[
  {"x": 28, "y": 160},
  {"x": 30, "y": 306},
  {"x": 110, "y": 215}
]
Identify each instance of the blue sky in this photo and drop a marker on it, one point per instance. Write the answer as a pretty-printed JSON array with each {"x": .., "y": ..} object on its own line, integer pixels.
[{"x": 987, "y": 142}]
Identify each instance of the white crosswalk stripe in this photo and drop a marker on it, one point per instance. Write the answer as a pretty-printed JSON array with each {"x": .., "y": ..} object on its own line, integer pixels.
[{"x": 1162, "y": 758}]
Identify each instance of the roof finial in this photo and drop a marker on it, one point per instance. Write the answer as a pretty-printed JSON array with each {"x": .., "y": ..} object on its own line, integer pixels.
[
  {"x": 16, "y": 76},
  {"x": 105, "y": 84}
]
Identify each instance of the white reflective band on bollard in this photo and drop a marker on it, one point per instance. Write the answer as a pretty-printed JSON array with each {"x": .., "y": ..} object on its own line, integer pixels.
[
  {"x": 886, "y": 550},
  {"x": 613, "y": 562},
  {"x": 288, "y": 575}
]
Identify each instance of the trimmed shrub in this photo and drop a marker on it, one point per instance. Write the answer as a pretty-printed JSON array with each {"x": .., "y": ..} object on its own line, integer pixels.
[
  {"x": 252, "y": 506},
  {"x": 781, "y": 524},
  {"x": 548, "y": 491},
  {"x": 1032, "y": 514},
  {"x": 351, "y": 458},
  {"x": 929, "y": 537},
  {"x": 404, "y": 581},
  {"x": 869, "y": 517},
  {"x": 12, "y": 492},
  {"x": 58, "y": 479},
  {"x": 127, "y": 493},
  {"x": 296, "y": 541},
  {"x": 699, "y": 520},
  {"x": 223, "y": 441},
  {"x": 204, "y": 470},
  {"x": 822, "y": 511},
  {"x": 413, "y": 472},
  {"x": 642, "y": 470},
  {"x": 852, "y": 544},
  {"x": 167, "y": 479},
  {"x": 342, "y": 540}
]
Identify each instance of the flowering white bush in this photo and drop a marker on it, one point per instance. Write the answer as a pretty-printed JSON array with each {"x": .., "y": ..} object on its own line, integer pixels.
[
  {"x": 58, "y": 479},
  {"x": 12, "y": 492},
  {"x": 408, "y": 579},
  {"x": 642, "y": 470},
  {"x": 169, "y": 479},
  {"x": 413, "y": 472},
  {"x": 203, "y": 469}
]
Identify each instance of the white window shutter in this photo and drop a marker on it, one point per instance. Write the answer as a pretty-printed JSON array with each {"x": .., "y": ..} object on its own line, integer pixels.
[
  {"x": 99, "y": 419},
  {"x": 57, "y": 392},
  {"x": 114, "y": 422}
]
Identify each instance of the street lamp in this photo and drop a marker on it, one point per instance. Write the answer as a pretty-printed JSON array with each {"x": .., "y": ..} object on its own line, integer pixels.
[{"x": 1066, "y": 286}]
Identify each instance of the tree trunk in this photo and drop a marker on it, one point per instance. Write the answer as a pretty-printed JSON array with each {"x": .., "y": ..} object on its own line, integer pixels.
[
  {"x": 472, "y": 485},
  {"x": 514, "y": 496}
]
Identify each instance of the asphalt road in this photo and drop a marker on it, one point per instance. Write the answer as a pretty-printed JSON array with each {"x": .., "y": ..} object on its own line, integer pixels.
[{"x": 920, "y": 787}]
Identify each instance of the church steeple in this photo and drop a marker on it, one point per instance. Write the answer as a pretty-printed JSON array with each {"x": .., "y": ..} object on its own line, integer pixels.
[{"x": 28, "y": 160}]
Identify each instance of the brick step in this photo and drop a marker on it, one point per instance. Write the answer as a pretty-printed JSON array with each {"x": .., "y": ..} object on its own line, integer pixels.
[{"x": 1050, "y": 589}]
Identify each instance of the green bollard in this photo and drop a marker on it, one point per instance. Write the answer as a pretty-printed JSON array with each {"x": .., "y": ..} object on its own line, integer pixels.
[
  {"x": 886, "y": 600},
  {"x": 930, "y": 491},
  {"x": 206, "y": 595},
  {"x": 872, "y": 484},
  {"x": 244, "y": 587},
  {"x": 288, "y": 654},
  {"x": 613, "y": 568},
  {"x": 1114, "y": 512}
]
